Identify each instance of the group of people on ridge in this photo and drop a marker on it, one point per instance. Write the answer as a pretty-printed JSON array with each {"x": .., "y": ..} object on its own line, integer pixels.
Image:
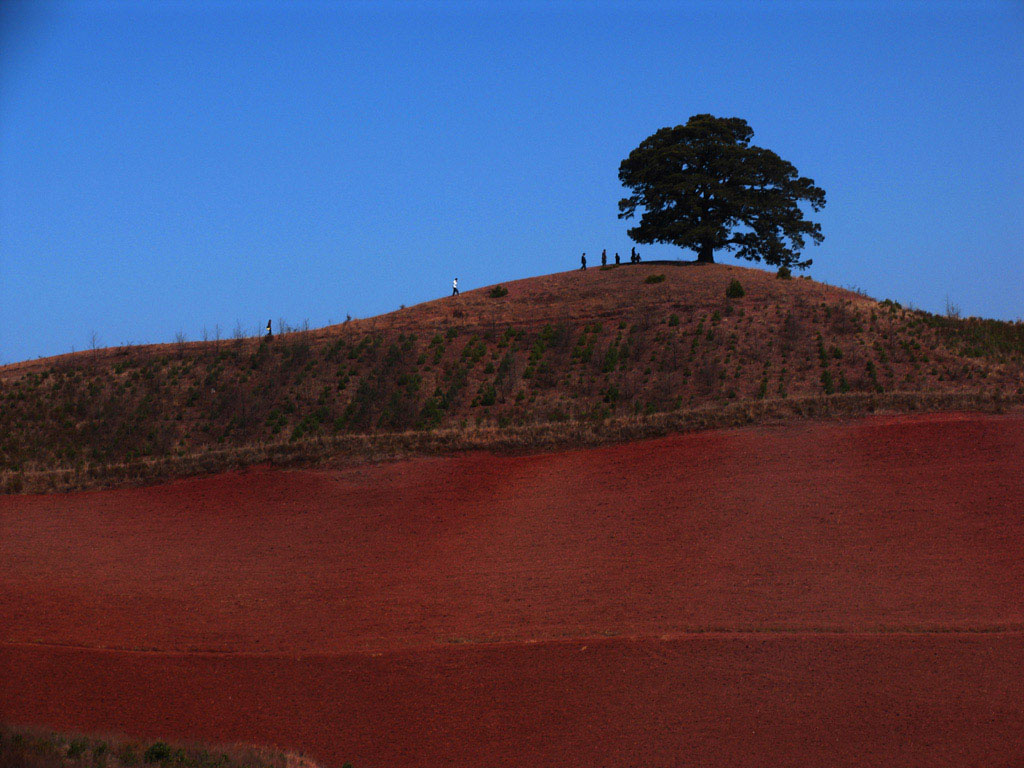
[{"x": 634, "y": 258}]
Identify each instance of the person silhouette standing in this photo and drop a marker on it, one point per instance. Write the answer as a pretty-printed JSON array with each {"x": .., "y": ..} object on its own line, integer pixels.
[
  {"x": 270, "y": 333},
  {"x": 604, "y": 258},
  {"x": 616, "y": 259},
  {"x": 583, "y": 261}
]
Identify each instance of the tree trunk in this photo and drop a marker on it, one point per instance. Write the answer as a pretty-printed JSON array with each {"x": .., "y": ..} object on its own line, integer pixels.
[{"x": 706, "y": 255}]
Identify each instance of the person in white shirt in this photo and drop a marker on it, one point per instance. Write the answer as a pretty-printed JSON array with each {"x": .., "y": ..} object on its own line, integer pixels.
[{"x": 455, "y": 287}]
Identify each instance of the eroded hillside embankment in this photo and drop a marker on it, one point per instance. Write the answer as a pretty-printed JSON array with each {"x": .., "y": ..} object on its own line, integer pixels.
[
  {"x": 560, "y": 352},
  {"x": 732, "y": 595}
]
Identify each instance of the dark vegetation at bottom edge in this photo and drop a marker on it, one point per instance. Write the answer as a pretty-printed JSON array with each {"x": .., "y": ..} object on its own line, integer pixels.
[{"x": 38, "y": 748}]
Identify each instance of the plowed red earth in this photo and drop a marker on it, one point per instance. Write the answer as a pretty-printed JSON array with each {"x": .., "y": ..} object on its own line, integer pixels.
[{"x": 808, "y": 594}]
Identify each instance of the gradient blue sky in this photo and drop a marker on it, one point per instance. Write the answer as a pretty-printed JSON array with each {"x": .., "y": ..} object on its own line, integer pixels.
[{"x": 166, "y": 166}]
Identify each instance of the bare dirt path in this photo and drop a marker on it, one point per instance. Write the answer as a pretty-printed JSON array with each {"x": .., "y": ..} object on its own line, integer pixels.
[{"x": 857, "y": 592}]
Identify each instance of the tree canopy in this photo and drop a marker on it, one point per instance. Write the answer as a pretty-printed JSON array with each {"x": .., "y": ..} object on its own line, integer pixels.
[{"x": 705, "y": 187}]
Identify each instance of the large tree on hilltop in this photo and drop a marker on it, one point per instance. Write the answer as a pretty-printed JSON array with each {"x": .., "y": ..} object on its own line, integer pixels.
[{"x": 705, "y": 187}]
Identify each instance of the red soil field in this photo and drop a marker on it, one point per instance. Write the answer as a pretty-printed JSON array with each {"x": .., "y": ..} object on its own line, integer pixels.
[{"x": 813, "y": 594}]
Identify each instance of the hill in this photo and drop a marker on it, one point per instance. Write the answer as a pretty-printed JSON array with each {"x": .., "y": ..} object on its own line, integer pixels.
[{"x": 556, "y": 354}]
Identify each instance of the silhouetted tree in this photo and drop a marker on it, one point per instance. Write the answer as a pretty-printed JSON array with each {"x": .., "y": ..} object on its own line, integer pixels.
[{"x": 705, "y": 187}]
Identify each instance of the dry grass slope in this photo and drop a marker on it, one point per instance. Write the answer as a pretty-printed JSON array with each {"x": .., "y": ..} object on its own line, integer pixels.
[{"x": 573, "y": 357}]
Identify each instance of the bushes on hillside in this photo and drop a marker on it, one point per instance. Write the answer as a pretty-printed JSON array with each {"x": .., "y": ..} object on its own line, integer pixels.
[
  {"x": 157, "y": 751},
  {"x": 498, "y": 291},
  {"x": 735, "y": 290}
]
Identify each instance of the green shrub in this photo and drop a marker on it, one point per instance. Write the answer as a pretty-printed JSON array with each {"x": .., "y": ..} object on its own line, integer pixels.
[
  {"x": 735, "y": 290},
  {"x": 784, "y": 273},
  {"x": 488, "y": 396},
  {"x": 611, "y": 359},
  {"x": 498, "y": 291},
  {"x": 13, "y": 484},
  {"x": 431, "y": 414},
  {"x": 655, "y": 279},
  {"x": 126, "y": 755},
  {"x": 673, "y": 319},
  {"x": 873, "y": 375},
  {"x": 826, "y": 381},
  {"x": 157, "y": 751}
]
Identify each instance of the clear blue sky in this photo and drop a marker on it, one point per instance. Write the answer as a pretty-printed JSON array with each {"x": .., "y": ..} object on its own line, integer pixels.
[{"x": 166, "y": 166}]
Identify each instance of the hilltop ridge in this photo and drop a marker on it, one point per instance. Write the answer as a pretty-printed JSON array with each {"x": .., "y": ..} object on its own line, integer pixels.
[{"x": 631, "y": 341}]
